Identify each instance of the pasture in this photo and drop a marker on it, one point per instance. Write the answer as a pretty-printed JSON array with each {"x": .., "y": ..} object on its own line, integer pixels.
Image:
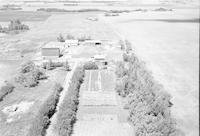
[{"x": 168, "y": 43}]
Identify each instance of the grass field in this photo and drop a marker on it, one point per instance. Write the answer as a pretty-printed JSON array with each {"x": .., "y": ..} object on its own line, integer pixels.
[
  {"x": 21, "y": 121},
  {"x": 169, "y": 44},
  {"x": 8, "y": 70}
]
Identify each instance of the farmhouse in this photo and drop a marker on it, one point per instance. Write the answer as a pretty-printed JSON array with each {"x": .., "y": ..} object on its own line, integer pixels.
[
  {"x": 92, "y": 42},
  {"x": 71, "y": 43},
  {"x": 52, "y": 49}
]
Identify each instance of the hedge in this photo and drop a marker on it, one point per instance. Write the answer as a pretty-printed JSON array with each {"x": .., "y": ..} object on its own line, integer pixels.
[
  {"x": 67, "y": 112},
  {"x": 5, "y": 90},
  {"x": 30, "y": 74},
  {"x": 42, "y": 119},
  {"x": 90, "y": 65},
  {"x": 148, "y": 103}
]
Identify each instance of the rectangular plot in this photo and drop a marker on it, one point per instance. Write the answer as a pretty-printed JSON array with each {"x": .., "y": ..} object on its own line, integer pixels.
[
  {"x": 84, "y": 86},
  {"x": 107, "y": 80},
  {"x": 100, "y": 117},
  {"x": 94, "y": 80},
  {"x": 90, "y": 98}
]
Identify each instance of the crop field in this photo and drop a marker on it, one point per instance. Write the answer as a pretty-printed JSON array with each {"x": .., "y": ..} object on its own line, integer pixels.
[
  {"x": 169, "y": 44},
  {"x": 28, "y": 102}
]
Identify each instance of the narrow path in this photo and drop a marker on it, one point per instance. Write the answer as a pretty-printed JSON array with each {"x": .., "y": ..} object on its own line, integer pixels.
[
  {"x": 89, "y": 86},
  {"x": 99, "y": 80},
  {"x": 50, "y": 130}
]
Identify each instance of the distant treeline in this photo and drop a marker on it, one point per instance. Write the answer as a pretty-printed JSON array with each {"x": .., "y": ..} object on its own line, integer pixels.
[
  {"x": 64, "y": 10},
  {"x": 14, "y": 26},
  {"x": 81, "y": 10},
  {"x": 11, "y": 7}
]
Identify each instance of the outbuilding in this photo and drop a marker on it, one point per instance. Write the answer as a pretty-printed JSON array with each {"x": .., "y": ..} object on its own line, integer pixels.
[
  {"x": 52, "y": 49},
  {"x": 100, "y": 60},
  {"x": 92, "y": 42}
]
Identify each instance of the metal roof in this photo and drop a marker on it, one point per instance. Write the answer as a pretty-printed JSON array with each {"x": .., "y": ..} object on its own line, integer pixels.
[
  {"x": 71, "y": 41},
  {"x": 92, "y": 41},
  {"x": 99, "y": 56},
  {"x": 54, "y": 45}
]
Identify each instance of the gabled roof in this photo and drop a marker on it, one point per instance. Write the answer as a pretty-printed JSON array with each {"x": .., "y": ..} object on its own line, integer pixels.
[
  {"x": 99, "y": 56},
  {"x": 92, "y": 41},
  {"x": 54, "y": 45},
  {"x": 71, "y": 41}
]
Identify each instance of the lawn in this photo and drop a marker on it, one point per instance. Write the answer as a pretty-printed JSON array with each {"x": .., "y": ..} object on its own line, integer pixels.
[
  {"x": 8, "y": 69},
  {"x": 35, "y": 96}
]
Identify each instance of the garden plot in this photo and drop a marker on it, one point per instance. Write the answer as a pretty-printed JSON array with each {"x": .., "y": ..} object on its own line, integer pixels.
[
  {"x": 95, "y": 87},
  {"x": 99, "y": 112},
  {"x": 90, "y": 98},
  {"x": 107, "y": 128},
  {"x": 100, "y": 117},
  {"x": 107, "y": 80},
  {"x": 99, "y": 80}
]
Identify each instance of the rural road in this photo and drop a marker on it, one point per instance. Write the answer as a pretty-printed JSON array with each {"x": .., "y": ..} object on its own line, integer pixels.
[{"x": 50, "y": 131}]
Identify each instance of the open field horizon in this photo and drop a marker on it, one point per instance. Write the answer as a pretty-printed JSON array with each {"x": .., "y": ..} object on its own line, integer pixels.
[
  {"x": 169, "y": 45},
  {"x": 167, "y": 41}
]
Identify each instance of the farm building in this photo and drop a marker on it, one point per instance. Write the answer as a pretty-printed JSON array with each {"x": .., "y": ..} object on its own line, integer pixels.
[
  {"x": 71, "y": 43},
  {"x": 52, "y": 49},
  {"x": 99, "y": 57},
  {"x": 92, "y": 42},
  {"x": 100, "y": 60}
]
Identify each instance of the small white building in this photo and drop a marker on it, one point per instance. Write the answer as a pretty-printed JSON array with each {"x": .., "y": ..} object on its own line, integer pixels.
[
  {"x": 92, "y": 18},
  {"x": 92, "y": 42},
  {"x": 71, "y": 43},
  {"x": 99, "y": 57},
  {"x": 100, "y": 60}
]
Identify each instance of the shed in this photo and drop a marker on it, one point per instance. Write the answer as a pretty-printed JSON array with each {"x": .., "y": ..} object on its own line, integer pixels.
[
  {"x": 99, "y": 57},
  {"x": 92, "y": 42},
  {"x": 52, "y": 49},
  {"x": 71, "y": 42},
  {"x": 100, "y": 60}
]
